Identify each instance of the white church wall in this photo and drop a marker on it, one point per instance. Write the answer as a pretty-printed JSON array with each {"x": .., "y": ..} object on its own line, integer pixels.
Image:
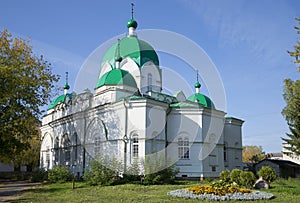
[
  {"x": 129, "y": 65},
  {"x": 184, "y": 123},
  {"x": 233, "y": 141},
  {"x": 46, "y": 161},
  {"x": 106, "y": 67},
  {"x": 150, "y": 78}
]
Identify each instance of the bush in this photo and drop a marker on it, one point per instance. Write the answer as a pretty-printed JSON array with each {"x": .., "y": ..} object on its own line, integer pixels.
[
  {"x": 159, "y": 171},
  {"x": 103, "y": 172},
  {"x": 165, "y": 176},
  {"x": 59, "y": 174},
  {"x": 267, "y": 173},
  {"x": 225, "y": 175},
  {"x": 247, "y": 179},
  {"x": 39, "y": 176},
  {"x": 235, "y": 176},
  {"x": 133, "y": 173}
]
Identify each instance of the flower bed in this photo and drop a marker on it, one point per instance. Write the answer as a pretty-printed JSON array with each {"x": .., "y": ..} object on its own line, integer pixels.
[{"x": 207, "y": 192}]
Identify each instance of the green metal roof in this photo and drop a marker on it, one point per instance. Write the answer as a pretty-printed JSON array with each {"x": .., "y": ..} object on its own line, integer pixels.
[
  {"x": 202, "y": 99},
  {"x": 117, "y": 77},
  {"x": 58, "y": 100},
  {"x": 130, "y": 46},
  {"x": 184, "y": 104}
]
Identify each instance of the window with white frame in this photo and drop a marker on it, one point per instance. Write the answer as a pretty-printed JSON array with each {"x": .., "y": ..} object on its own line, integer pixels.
[
  {"x": 48, "y": 156},
  {"x": 97, "y": 147},
  {"x": 135, "y": 146},
  {"x": 183, "y": 148},
  {"x": 67, "y": 150}
]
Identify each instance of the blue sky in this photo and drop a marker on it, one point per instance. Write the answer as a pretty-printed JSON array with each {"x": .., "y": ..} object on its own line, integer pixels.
[{"x": 246, "y": 40}]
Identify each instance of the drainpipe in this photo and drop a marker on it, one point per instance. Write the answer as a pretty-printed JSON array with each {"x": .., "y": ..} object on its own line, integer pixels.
[
  {"x": 166, "y": 130},
  {"x": 125, "y": 138},
  {"x": 83, "y": 151}
]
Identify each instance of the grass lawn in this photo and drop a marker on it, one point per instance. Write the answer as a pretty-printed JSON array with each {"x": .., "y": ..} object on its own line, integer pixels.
[{"x": 284, "y": 191}]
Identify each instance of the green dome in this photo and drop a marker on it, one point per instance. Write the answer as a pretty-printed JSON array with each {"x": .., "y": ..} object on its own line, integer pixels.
[
  {"x": 59, "y": 100},
  {"x": 202, "y": 99},
  {"x": 132, "y": 23},
  {"x": 117, "y": 77},
  {"x": 197, "y": 85},
  {"x": 130, "y": 46},
  {"x": 66, "y": 86}
]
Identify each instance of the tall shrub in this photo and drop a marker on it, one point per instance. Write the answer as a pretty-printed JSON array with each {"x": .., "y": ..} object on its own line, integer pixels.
[
  {"x": 225, "y": 175},
  {"x": 247, "y": 179},
  {"x": 158, "y": 170},
  {"x": 267, "y": 173},
  {"x": 235, "y": 176},
  {"x": 59, "y": 174},
  {"x": 103, "y": 171}
]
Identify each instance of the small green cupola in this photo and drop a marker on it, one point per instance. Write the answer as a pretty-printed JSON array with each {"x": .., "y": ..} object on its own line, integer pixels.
[
  {"x": 131, "y": 24},
  {"x": 117, "y": 77},
  {"x": 62, "y": 98},
  {"x": 200, "y": 98}
]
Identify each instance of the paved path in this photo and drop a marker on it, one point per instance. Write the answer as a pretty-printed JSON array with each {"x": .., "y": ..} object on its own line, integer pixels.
[{"x": 10, "y": 190}]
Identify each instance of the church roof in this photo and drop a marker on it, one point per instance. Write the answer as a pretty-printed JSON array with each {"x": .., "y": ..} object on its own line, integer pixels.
[
  {"x": 117, "y": 77},
  {"x": 59, "y": 100},
  {"x": 202, "y": 99},
  {"x": 130, "y": 46},
  {"x": 184, "y": 105}
]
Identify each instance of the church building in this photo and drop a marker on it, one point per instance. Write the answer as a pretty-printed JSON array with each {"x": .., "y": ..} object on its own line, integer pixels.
[{"x": 128, "y": 118}]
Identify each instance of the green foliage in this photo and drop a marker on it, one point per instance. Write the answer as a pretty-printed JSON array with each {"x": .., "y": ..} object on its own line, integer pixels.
[
  {"x": 225, "y": 175},
  {"x": 291, "y": 96},
  {"x": 283, "y": 190},
  {"x": 296, "y": 52},
  {"x": 247, "y": 179},
  {"x": 235, "y": 176},
  {"x": 29, "y": 157},
  {"x": 291, "y": 113},
  {"x": 103, "y": 172},
  {"x": 223, "y": 184},
  {"x": 59, "y": 174},
  {"x": 159, "y": 171},
  {"x": 25, "y": 85},
  {"x": 165, "y": 176},
  {"x": 39, "y": 176},
  {"x": 267, "y": 173},
  {"x": 133, "y": 172}
]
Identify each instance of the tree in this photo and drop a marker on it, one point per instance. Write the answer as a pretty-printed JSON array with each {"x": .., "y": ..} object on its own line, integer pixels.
[
  {"x": 26, "y": 84},
  {"x": 291, "y": 112},
  {"x": 296, "y": 52},
  {"x": 253, "y": 154},
  {"x": 31, "y": 156}
]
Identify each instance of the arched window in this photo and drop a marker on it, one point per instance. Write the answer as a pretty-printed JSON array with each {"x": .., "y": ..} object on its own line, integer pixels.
[
  {"x": 97, "y": 145},
  {"x": 135, "y": 146},
  {"x": 67, "y": 149},
  {"x": 48, "y": 157},
  {"x": 183, "y": 148},
  {"x": 149, "y": 82}
]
